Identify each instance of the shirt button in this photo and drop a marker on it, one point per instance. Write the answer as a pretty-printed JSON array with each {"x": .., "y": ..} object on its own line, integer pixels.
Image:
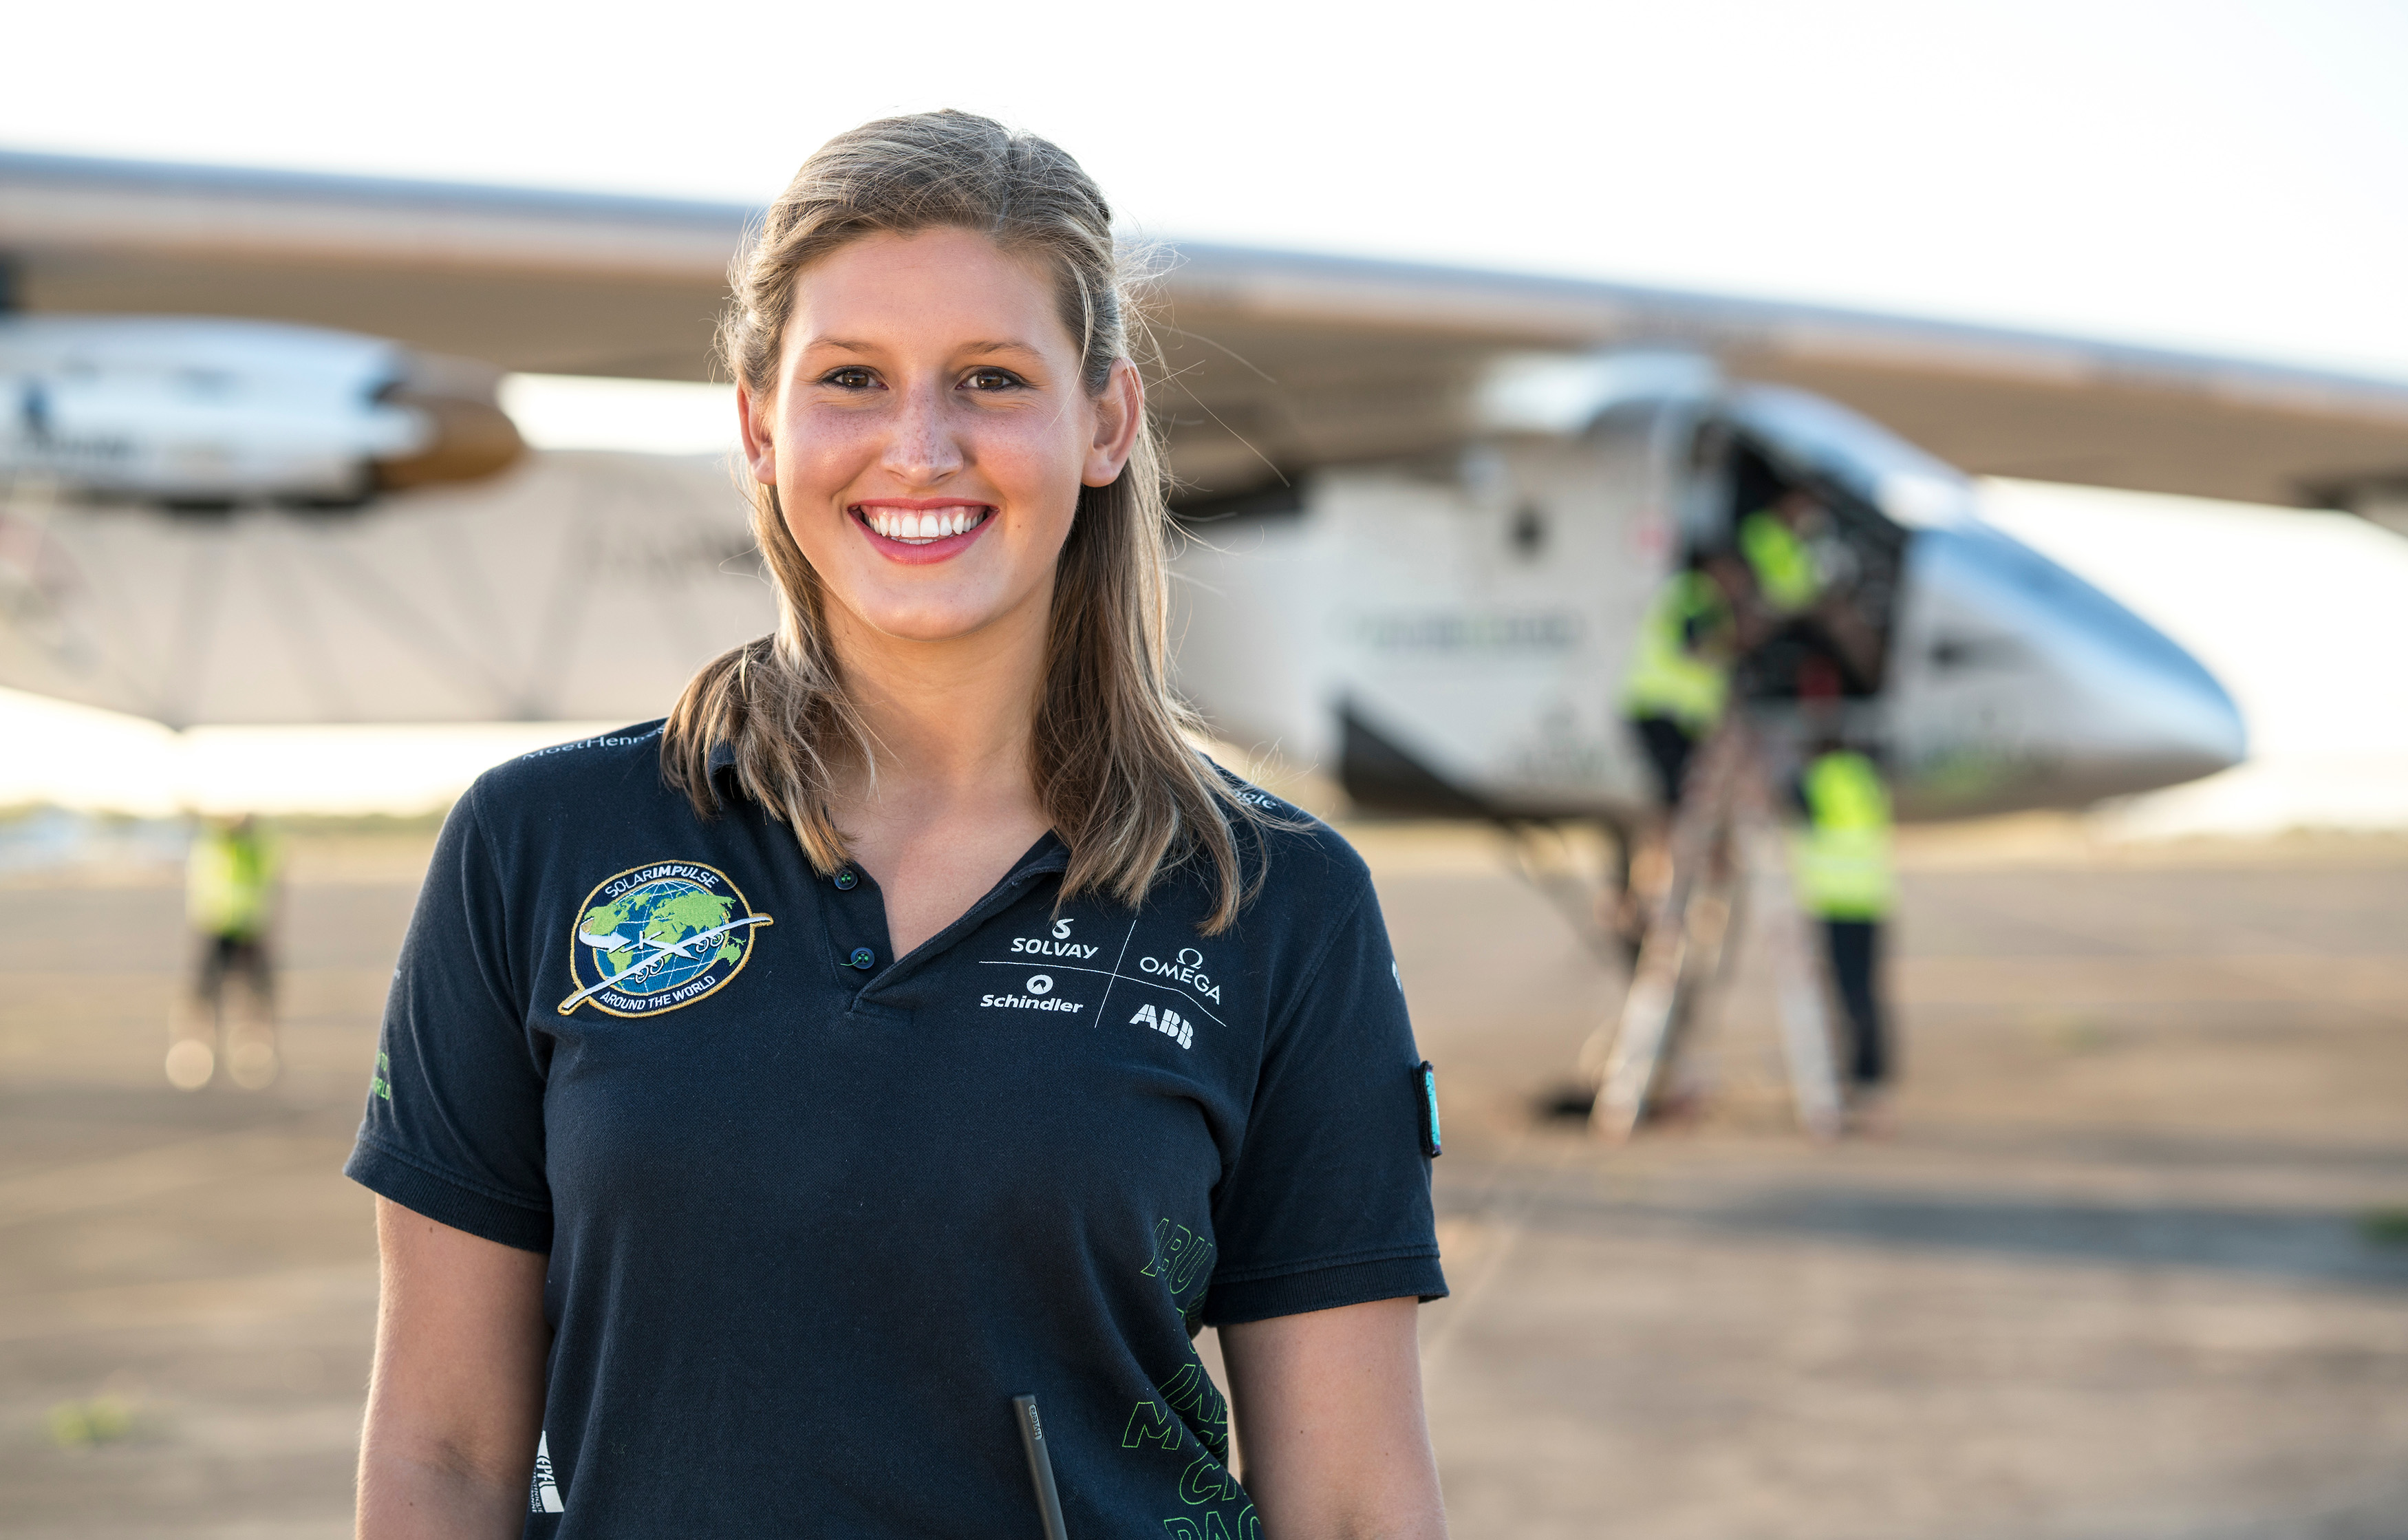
[
  {"x": 846, "y": 880},
  {"x": 863, "y": 957}
]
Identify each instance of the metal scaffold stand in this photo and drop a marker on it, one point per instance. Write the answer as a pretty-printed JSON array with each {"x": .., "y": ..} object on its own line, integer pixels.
[{"x": 1726, "y": 843}]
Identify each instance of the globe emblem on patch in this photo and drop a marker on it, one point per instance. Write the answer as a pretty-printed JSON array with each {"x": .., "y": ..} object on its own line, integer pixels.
[{"x": 659, "y": 937}]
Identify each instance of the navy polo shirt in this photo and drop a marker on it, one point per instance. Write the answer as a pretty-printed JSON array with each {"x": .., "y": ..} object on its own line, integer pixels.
[{"x": 815, "y": 1213}]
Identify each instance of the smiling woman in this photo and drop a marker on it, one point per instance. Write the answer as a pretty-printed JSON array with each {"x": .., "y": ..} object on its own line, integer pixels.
[
  {"x": 1020, "y": 1042},
  {"x": 934, "y": 321}
]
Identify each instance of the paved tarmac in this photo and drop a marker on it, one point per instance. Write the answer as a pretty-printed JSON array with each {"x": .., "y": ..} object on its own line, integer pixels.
[{"x": 2131, "y": 1262}]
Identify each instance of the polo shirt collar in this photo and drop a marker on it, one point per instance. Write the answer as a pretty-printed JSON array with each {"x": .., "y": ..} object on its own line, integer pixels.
[
  {"x": 1049, "y": 854},
  {"x": 719, "y": 763}
]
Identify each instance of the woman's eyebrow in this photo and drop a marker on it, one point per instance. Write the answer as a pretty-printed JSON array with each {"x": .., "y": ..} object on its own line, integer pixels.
[{"x": 846, "y": 344}]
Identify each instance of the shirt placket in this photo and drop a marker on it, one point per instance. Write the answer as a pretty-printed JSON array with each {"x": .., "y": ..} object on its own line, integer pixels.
[
  {"x": 858, "y": 943},
  {"x": 855, "y": 915}
]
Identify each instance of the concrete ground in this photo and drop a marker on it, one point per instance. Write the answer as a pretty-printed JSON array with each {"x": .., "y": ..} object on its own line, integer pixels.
[{"x": 2129, "y": 1264}]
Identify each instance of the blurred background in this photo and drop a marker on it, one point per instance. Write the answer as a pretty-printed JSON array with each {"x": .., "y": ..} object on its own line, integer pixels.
[{"x": 360, "y": 433}]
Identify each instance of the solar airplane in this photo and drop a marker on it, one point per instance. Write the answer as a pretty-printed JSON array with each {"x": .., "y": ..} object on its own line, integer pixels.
[{"x": 257, "y": 471}]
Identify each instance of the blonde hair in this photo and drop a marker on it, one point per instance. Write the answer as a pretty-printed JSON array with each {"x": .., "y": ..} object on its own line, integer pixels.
[{"x": 1109, "y": 754}]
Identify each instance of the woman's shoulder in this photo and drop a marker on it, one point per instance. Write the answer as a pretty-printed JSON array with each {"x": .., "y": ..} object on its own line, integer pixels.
[
  {"x": 1302, "y": 857},
  {"x": 594, "y": 776}
]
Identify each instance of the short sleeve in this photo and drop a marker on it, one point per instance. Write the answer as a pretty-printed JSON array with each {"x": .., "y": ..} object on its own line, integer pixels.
[
  {"x": 1328, "y": 1203},
  {"x": 454, "y": 1125}
]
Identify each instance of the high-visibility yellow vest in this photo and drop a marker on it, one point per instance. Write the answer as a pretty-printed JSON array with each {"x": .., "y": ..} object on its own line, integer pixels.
[
  {"x": 1672, "y": 675},
  {"x": 1785, "y": 568},
  {"x": 1842, "y": 856},
  {"x": 229, "y": 882}
]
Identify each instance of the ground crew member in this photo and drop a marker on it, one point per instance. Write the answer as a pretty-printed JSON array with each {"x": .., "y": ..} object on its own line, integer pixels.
[
  {"x": 1673, "y": 695},
  {"x": 1680, "y": 677},
  {"x": 1787, "y": 577},
  {"x": 230, "y": 898},
  {"x": 1845, "y": 880}
]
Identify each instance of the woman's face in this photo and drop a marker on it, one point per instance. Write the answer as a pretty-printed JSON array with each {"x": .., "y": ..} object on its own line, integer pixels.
[{"x": 928, "y": 434}]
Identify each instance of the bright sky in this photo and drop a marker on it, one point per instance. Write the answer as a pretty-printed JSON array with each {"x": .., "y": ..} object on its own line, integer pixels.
[{"x": 2202, "y": 173}]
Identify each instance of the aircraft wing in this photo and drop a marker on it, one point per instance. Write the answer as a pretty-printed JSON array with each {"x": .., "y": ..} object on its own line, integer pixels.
[
  {"x": 1277, "y": 360},
  {"x": 574, "y": 586}
]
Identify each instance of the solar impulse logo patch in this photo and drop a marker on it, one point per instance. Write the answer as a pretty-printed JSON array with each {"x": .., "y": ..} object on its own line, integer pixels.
[{"x": 659, "y": 937}]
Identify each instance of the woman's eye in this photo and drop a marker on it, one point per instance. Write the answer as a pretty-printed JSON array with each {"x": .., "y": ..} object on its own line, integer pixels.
[
  {"x": 849, "y": 379},
  {"x": 992, "y": 380}
]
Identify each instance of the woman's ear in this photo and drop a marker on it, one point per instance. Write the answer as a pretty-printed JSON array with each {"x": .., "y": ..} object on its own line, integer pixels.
[
  {"x": 1119, "y": 411},
  {"x": 760, "y": 451}
]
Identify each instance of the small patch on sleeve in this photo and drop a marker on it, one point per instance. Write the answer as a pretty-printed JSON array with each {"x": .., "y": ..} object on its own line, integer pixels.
[{"x": 1426, "y": 1085}]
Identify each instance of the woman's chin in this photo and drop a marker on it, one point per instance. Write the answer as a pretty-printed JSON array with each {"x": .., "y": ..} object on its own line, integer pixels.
[{"x": 919, "y": 621}]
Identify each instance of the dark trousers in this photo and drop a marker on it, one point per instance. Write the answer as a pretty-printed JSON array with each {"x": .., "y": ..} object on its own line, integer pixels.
[
  {"x": 1668, "y": 747},
  {"x": 1855, "y": 951},
  {"x": 232, "y": 957}
]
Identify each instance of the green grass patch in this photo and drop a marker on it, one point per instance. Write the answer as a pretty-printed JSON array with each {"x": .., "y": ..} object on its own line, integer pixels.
[{"x": 2385, "y": 1226}]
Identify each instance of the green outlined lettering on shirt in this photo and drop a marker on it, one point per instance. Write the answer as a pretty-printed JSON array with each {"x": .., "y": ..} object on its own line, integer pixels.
[
  {"x": 1207, "y": 1480},
  {"x": 1188, "y": 1405},
  {"x": 659, "y": 937},
  {"x": 1182, "y": 1260},
  {"x": 1187, "y": 1418}
]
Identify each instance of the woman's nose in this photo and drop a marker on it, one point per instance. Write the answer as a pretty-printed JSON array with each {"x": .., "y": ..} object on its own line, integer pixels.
[{"x": 922, "y": 447}]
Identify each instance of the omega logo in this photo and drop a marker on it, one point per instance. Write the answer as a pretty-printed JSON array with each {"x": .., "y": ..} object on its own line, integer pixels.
[{"x": 1187, "y": 971}]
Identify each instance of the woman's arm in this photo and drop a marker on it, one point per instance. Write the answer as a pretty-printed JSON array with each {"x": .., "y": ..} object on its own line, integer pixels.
[
  {"x": 1330, "y": 1425},
  {"x": 457, "y": 1400}
]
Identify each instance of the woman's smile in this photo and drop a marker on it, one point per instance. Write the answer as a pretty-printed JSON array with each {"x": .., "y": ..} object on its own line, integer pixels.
[{"x": 917, "y": 530}]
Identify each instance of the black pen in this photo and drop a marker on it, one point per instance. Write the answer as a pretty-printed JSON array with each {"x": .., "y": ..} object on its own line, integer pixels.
[{"x": 1041, "y": 1467}]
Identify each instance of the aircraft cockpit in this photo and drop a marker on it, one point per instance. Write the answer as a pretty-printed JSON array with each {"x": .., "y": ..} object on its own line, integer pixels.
[{"x": 1808, "y": 560}]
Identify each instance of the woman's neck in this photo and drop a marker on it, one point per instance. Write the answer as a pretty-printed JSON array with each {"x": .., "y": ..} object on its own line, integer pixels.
[
  {"x": 952, "y": 804},
  {"x": 947, "y": 718}
]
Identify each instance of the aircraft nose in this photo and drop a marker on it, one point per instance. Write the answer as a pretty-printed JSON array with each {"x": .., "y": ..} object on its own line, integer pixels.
[{"x": 2019, "y": 684}]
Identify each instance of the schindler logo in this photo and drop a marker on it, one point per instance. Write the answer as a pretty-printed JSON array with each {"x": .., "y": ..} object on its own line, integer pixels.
[
  {"x": 1040, "y": 989},
  {"x": 654, "y": 937}
]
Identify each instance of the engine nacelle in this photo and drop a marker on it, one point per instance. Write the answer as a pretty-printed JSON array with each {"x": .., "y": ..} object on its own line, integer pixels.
[{"x": 197, "y": 411}]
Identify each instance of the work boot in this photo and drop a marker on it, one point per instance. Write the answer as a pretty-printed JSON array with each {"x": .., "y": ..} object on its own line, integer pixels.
[
  {"x": 191, "y": 1062},
  {"x": 251, "y": 1059}
]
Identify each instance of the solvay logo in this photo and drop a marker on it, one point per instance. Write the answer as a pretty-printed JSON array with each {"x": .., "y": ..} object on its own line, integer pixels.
[
  {"x": 1059, "y": 945},
  {"x": 1188, "y": 970},
  {"x": 658, "y": 937}
]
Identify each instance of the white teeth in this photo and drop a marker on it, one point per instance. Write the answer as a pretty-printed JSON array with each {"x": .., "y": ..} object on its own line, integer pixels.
[{"x": 919, "y": 528}]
